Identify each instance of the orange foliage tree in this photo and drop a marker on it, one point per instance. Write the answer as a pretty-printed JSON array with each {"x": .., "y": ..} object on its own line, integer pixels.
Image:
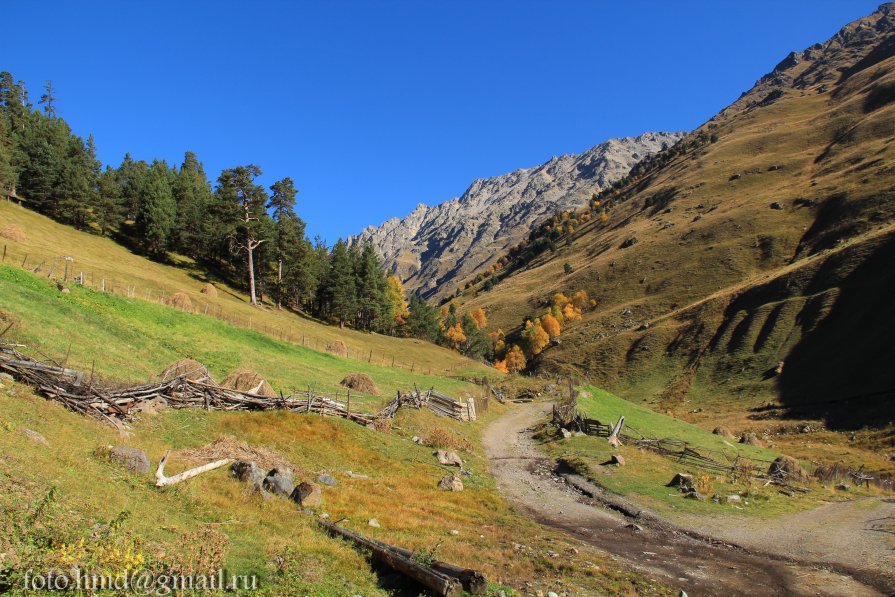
[
  {"x": 551, "y": 325},
  {"x": 515, "y": 360},
  {"x": 481, "y": 320},
  {"x": 535, "y": 336},
  {"x": 455, "y": 336}
]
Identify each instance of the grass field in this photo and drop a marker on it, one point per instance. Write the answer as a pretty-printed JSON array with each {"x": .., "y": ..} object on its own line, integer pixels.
[
  {"x": 273, "y": 539},
  {"x": 130, "y": 340},
  {"x": 105, "y": 262},
  {"x": 644, "y": 477}
]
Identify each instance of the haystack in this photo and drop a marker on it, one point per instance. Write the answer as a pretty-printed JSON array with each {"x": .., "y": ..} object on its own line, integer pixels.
[
  {"x": 243, "y": 380},
  {"x": 209, "y": 290},
  {"x": 13, "y": 232},
  {"x": 337, "y": 348},
  {"x": 786, "y": 467},
  {"x": 187, "y": 369},
  {"x": 180, "y": 300},
  {"x": 361, "y": 382}
]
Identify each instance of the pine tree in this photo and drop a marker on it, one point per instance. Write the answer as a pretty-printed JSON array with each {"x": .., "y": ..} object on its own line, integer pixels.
[
  {"x": 237, "y": 186},
  {"x": 423, "y": 321},
  {"x": 192, "y": 193},
  {"x": 48, "y": 99},
  {"x": 371, "y": 303},
  {"x": 158, "y": 210},
  {"x": 109, "y": 207},
  {"x": 289, "y": 237},
  {"x": 339, "y": 289}
]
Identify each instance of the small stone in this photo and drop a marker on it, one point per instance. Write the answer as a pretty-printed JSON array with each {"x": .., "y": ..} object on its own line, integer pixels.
[
  {"x": 307, "y": 494},
  {"x": 352, "y": 475},
  {"x": 634, "y": 527},
  {"x": 374, "y": 523},
  {"x": 551, "y": 594},
  {"x": 132, "y": 459},
  {"x": 451, "y": 483},
  {"x": 734, "y": 499},
  {"x": 454, "y": 532},
  {"x": 617, "y": 459},
  {"x": 416, "y": 439},
  {"x": 694, "y": 495},
  {"x": 324, "y": 515},
  {"x": 449, "y": 458},
  {"x": 565, "y": 433},
  {"x": 327, "y": 479},
  {"x": 843, "y": 487},
  {"x": 249, "y": 473},
  {"x": 776, "y": 205},
  {"x": 38, "y": 438}
]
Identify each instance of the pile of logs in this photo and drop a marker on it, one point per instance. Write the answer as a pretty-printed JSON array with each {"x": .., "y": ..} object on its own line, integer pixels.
[
  {"x": 440, "y": 404},
  {"x": 115, "y": 405}
]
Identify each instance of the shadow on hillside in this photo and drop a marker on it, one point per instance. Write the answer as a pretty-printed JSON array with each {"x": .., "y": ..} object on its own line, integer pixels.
[{"x": 842, "y": 370}]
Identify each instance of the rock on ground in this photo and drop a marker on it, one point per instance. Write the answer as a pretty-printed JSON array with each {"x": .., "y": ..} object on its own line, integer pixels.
[
  {"x": 249, "y": 473},
  {"x": 133, "y": 459},
  {"x": 36, "y": 437},
  {"x": 279, "y": 481},
  {"x": 451, "y": 483},
  {"x": 308, "y": 494},
  {"x": 448, "y": 458}
]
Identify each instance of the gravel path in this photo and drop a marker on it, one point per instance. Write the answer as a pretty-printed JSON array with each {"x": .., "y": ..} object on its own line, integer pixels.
[{"x": 696, "y": 566}]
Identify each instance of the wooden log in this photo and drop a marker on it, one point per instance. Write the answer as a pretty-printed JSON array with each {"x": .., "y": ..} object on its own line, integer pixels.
[
  {"x": 161, "y": 480},
  {"x": 441, "y": 584}
]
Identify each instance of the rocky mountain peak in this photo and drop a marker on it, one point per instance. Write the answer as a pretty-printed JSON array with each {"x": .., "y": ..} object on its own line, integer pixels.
[{"x": 433, "y": 249}]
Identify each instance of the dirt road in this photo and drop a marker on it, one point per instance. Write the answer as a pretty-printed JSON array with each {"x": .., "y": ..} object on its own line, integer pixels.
[{"x": 695, "y": 566}]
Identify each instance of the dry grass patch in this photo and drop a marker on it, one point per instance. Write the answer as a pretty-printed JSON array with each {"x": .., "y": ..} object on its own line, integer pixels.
[
  {"x": 229, "y": 447},
  {"x": 445, "y": 439},
  {"x": 13, "y": 232}
]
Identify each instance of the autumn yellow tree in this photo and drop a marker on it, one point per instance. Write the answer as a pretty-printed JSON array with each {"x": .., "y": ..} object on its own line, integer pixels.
[
  {"x": 481, "y": 320},
  {"x": 501, "y": 366},
  {"x": 455, "y": 336},
  {"x": 580, "y": 300},
  {"x": 515, "y": 360},
  {"x": 571, "y": 313},
  {"x": 535, "y": 336},
  {"x": 498, "y": 342},
  {"x": 395, "y": 300},
  {"x": 551, "y": 325}
]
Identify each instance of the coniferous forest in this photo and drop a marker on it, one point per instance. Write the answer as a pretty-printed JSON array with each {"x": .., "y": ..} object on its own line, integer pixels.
[{"x": 247, "y": 235}]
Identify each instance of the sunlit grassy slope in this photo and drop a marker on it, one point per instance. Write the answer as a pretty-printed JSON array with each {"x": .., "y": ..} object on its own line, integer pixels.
[
  {"x": 126, "y": 273},
  {"x": 130, "y": 340},
  {"x": 646, "y": 474},
  {"x": 273, "y": 538}
]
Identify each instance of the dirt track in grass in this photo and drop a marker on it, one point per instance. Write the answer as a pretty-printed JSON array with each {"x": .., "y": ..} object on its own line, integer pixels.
[{"x": 661, "y": 550}]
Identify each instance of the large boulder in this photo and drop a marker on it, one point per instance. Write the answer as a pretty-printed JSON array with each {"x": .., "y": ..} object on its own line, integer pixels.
[
  {"x": 308, "y": 495},
  {"x": 279, "y": 481},
  {"x": 448, "y": 458},
  {"x": 788, "y": 468},
  {"x": 132, "y": 459},
  {"x": 682, "y": 481}
]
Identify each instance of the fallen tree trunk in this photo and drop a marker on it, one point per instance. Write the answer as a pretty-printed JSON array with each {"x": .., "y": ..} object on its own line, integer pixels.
[
  {"x": 161, "y": 480},
  {"x": 441, "y": 583}
]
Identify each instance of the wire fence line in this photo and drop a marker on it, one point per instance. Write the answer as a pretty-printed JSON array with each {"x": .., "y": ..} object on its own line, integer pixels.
[{"x": 65, "y": 269}]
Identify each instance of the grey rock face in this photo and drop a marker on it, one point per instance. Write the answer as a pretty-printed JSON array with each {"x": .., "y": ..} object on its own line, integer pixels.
[
  {"x": 279, "y": 482},
  {"x": 434, "y": 249}
]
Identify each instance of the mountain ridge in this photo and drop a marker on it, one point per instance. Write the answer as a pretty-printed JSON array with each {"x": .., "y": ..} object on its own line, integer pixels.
[{"x": 434, "y": 248}]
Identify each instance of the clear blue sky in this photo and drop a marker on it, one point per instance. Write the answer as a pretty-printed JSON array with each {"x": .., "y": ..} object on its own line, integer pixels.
[{"x": 375, "y": 106}]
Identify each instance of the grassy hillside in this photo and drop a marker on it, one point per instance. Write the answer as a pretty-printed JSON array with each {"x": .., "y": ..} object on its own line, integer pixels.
[
  {"x": 768, "y": 243},
  {"x": 46, "y": 243},
  {"x": 645, "y": 476},
  {"x": 57, "y": 498}
]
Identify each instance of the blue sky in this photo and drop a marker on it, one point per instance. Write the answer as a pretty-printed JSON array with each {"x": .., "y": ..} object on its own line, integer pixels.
[{"x": 373, "y": 107}]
